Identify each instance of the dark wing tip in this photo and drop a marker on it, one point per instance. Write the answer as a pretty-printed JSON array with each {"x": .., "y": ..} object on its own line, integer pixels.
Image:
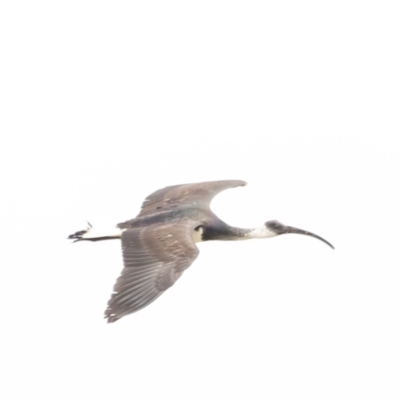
[{"x": 110, "y": 316}]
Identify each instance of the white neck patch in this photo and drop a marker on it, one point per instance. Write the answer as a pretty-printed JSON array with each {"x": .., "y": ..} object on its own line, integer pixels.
[{"x": 260, "y": 233}]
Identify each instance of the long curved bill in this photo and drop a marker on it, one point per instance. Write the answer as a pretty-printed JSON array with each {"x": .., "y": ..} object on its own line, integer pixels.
[{"x": 290, "y": 229}]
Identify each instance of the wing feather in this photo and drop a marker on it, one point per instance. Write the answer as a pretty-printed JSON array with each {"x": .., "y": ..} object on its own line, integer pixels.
[
  {"x": 198, "y": 194},
  {"x": 154, "y": 258}
]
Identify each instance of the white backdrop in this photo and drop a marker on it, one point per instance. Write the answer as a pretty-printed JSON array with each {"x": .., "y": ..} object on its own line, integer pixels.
[{"x": 104, "y": 102}]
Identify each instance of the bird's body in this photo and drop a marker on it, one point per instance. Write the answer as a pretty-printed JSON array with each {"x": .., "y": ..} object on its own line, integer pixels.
[{"x": 159, "y": 244}]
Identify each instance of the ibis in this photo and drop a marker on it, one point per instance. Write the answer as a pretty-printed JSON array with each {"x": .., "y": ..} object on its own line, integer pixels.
[{"x": 160, "y": 243}]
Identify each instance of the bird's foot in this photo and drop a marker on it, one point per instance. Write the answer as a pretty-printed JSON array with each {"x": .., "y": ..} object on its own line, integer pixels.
[{"x": 77, "y": 236}]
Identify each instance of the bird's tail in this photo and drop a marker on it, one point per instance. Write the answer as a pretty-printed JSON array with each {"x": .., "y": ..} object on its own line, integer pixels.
[{"x": 93, "y": 235}]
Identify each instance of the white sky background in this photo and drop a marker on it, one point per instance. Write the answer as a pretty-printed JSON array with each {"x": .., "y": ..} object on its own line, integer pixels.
[{"x": 104, "y": 102}]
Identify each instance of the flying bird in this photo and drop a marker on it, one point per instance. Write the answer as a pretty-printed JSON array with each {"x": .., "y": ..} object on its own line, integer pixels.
[{"x": 160, "y": 243}]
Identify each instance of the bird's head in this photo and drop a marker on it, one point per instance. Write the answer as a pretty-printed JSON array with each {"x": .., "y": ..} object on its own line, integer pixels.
[{"x": 277, "y": 228}]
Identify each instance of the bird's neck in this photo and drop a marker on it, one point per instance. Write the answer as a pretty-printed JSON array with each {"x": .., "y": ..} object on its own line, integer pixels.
[{"x": 226, "y": 232}]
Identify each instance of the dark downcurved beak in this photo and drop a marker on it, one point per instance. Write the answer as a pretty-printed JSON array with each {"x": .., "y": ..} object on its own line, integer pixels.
[{"x": 290, "y": 229}]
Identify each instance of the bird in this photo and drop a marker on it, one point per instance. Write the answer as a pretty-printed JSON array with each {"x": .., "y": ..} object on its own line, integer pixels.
[{"x": 160, "y": 243}]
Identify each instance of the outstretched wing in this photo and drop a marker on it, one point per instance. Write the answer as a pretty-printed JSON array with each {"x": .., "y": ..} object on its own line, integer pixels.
[
  {"x": 154, "y": 258},
  {"x": 197, "y": 194}
]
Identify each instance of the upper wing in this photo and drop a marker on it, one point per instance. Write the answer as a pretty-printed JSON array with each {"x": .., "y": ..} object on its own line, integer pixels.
[
  {"x": 192, "y": 193},
  {"x": 154, "y": 258}
]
